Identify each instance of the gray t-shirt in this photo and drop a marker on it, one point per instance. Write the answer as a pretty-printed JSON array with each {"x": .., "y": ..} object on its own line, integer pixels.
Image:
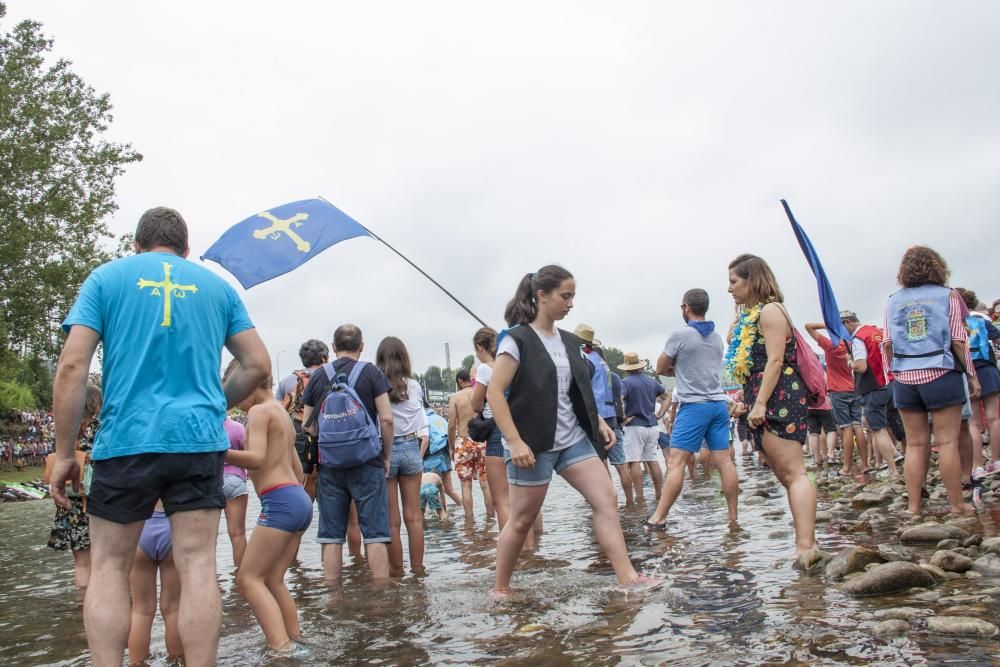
[{"x": 697, "y": 365}]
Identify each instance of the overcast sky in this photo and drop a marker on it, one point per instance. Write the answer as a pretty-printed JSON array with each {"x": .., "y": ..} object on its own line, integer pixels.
[{"x": 640, "y": 145}]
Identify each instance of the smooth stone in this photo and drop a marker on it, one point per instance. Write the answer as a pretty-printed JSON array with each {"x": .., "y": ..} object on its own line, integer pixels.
[
  {"x": 935, "y": 571},
  {"x": 971, "y": 552},
  {"x": 851, "y": 559},
  {"x": 932, "y": 533},
  {"x": 972, "y": 574},
  {"x": 856, "y": 527},
  {"x": 950, "y": 561},
  {"x": 863, "y": 500},
  {"x": 870, "y": 513},
  {"x": 963, "y": 521},
  {"x": 894, "y": 552},
  {"x": 990, "y": 545},
  {"x": 824, "y": 517},
  {"x": 973, "y": 541},
  {"x": 927, "y": 596},
  {"x": 753, "y": 500},
  {"x": 948, "y": 544},
  {"x": 891, "y": 628},
  {"x": 780, "y": 534},
  {"x": 901, "y": 613},
  {"x": 890, "y": 578},
  {"x": 960, "y": 625},
  {"x": 760, "y": 492},
  {"x": 988, "y": 565},
  {"x": 962, "y": 599},
  {"x": 965, "y": 610}
]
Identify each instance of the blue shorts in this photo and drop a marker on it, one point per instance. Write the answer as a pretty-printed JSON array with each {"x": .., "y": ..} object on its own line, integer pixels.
[
  {"x": 546, "y": 462},
  {"x": 430, "y": 497},
  {"x": 494, "y": 445},
  {"x": 701, "y": 421},
  {"x": 286, "y": 507},
  {"x": 663, "y": 440},
  {"x": 405, "y": 458},
  {"x": 846, "y": 408},
  {"x": 989, "y": 379},
  {"x": 943, "y": 392},
  {"x": 156, "y": 539},
  {"x": 366, "y": 486},
  {"x": 438, "y": 462},
  {"x": 616, "y": 455}
]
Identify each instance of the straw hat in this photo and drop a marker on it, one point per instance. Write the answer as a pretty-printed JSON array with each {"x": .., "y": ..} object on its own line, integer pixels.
[
  {"x": 632, "y": 362},
  {"x": 585, "y": 332}
]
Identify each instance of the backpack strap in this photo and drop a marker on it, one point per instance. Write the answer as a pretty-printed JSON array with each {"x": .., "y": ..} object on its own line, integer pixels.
[
  {"x": 331, "y": 374},
  {"x": 356, "y": 373}
]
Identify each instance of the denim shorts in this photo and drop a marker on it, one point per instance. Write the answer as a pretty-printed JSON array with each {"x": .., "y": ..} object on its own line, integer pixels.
[
  {"x": 820, "y": 420},
  {"x": 876, "y": 406},
  {"x": 405, "y": 458},
  {"x": 438, "y": 462},
  {"x": 663, "y": 440},
  {"x": 548, "y": 462},
  {"x": 233, "y": 486},
  {"x": 616, "y": 455},
  {"x": 943, "y": 392},
  {"x": 697, "y": 422},
  {"x": 366, "y": 486},
  {"x": 846, "y": 408},
  {"x": 989, "y": 379},
  {"x": 494, "y": 445},
  {"x": 286, "y": 507}
]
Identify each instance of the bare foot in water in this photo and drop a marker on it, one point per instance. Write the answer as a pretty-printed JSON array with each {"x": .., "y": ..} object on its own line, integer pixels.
[
  {"x": 965, "y": 509},
  {"x": 501, "y": 594},
  {"x": 643, "y": 583}
]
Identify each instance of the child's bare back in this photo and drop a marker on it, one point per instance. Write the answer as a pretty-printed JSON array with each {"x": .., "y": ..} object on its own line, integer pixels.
[{"x": 270, "y": 437}]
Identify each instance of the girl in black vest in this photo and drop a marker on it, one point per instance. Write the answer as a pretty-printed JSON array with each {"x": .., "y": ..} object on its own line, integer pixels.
[{"x": 544, "y": 406}]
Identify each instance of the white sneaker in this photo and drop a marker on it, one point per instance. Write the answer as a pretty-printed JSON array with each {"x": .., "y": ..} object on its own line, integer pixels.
[{"x": 979, "y": 473}]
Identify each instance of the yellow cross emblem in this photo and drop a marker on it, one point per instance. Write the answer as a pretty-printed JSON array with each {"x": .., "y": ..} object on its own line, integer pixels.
[
  {"x": 170, "y": 290},
  {"x": 279, "y": 227}
]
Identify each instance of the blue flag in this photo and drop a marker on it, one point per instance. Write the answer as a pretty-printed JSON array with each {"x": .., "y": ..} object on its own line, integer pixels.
[
  {"x": 827, "y": 302},
  {"x": 283, "y": 238}
]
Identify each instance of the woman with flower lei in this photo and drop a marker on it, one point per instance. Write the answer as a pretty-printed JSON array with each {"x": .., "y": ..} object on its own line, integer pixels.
[{"x": 762, "y": 357}]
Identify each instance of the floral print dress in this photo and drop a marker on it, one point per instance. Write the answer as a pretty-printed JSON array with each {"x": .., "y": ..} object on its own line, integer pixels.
[{"x": 786, "y": 411}]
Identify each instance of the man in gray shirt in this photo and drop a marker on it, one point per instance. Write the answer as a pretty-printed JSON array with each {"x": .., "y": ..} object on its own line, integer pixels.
[{"x": 693, "y": 356}]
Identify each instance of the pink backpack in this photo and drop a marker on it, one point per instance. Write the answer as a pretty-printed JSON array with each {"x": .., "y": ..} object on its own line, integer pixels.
[{"x": 809, "y": 368}]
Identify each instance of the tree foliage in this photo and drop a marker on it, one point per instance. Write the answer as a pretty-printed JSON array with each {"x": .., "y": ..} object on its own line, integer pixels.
[
  {"x": 58, "y": 174},
  {"x": 468, "y": 362},
  {"x": 614, "y": 357},
  {"x": 432, "y": 379}
]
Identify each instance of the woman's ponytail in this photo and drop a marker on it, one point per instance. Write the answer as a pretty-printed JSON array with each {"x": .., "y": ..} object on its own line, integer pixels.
[{"x": 522, "y": 309}]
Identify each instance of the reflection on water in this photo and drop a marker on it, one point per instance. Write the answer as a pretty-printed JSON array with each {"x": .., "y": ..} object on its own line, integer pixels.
[{"x": 733, "y": 597}]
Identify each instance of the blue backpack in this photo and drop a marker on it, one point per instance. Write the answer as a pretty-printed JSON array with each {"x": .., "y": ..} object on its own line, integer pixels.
[
  {"x": 979, "y": 339},
  {"x": 438, "y": 432},
  {"x": 347, "y": 435}
]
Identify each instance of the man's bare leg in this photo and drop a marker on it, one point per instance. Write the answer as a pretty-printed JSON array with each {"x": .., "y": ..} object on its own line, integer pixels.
[
  {"x": 200, "y": 615},
  {"x": 107, "y": 609}
]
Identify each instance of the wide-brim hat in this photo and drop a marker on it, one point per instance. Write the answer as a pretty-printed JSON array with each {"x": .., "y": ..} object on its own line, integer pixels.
[
  {"x": 585, "y": 332},
  {"x": 632, "y": 362}
]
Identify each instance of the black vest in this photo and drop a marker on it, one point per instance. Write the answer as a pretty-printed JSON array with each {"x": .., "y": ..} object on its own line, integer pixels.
[{"x": 534, "y": 392}]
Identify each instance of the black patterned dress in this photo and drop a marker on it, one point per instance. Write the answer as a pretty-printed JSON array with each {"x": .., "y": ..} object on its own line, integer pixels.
[{"x": 786, "y": 411}]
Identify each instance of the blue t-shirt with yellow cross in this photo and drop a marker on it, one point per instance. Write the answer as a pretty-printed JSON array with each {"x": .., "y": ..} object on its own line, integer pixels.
[{"x": 163, "y": 322}]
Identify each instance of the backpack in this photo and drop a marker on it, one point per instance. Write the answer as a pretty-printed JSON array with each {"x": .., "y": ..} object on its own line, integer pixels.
[
  {"x": 295, "y": 404},
  {"x": 809, "y": 368},
  {"x": 347, "y": 435},
  {"x": 979, "y": 338}
]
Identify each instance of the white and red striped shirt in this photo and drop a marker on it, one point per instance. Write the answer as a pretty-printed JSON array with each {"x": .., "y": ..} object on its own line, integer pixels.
[{"x": 956, "y": 319}]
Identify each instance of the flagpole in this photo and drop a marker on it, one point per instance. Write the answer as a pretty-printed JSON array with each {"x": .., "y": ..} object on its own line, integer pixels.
[{"x": 422, "y": 272}]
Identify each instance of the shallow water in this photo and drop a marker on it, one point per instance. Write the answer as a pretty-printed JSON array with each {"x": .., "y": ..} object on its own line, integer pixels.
[{"x": 732, "y": 596}]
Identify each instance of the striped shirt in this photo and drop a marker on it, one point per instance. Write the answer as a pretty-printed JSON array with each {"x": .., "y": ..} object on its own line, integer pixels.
[{"x": 957, "y": 311}]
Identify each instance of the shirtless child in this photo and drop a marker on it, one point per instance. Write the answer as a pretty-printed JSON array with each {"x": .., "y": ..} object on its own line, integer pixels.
[
  {"x": 285, "y": 512},
  {"x": 432, "y": 495}
]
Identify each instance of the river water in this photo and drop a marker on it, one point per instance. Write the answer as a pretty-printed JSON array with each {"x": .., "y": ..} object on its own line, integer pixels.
[{"x": 733, "y": 597}]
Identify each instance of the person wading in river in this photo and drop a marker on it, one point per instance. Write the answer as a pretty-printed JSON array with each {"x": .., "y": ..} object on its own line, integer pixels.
[
  {"x": 544, "y": 406},
  {"x": 693, "y": 356}
]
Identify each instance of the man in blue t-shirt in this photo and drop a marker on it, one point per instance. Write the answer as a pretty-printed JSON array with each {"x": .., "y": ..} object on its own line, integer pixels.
[
  {"x": 641, "y": 441},
  {"x": 163, "y": 322},
  {"x": 693, "y": 356}
]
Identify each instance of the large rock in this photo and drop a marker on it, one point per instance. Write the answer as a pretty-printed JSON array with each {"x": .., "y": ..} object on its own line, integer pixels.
[
  {"x": 988, "y": 565},
  {"x": 891, "y": 628},
  {"x": 990, "y": 545},
  {"x": 890, "y": 578},
  {"x": 852, "y": 559},
  {"x": 863, "y": 500},
  {"x": 948, "y": 544},
  {"x": 932, "y": 533},
  {"x": 901, "y": 613},
  {"x": 950, "y": 561},
  {"x": 935, "y": 571},
  {"x": 894, "y": 552},
  {"x": 961, "y": 625}
]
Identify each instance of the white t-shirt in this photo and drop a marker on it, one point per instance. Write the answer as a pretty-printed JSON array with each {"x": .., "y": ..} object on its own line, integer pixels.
[
  {"x": 568, "y": 430},
  {"x": 408, "y": 416},
  {"x": 483, "y": 375}
]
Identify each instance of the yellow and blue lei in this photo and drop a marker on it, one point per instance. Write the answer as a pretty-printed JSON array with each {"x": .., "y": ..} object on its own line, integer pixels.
[{"x": 738, "y": 361}]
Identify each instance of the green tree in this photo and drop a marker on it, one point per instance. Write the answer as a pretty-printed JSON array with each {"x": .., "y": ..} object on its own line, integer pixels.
[
  {"x": 58, "y": 174},
  {"x": 432, "y": 379},
  {"x": 468, "y": 362},
  {"x": 614, "y": 357}
]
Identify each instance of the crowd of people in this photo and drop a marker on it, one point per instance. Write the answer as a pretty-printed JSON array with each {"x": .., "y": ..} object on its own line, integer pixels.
[
  {"x": 356, "y": 440},
  {"x": 29, "y": 438}
]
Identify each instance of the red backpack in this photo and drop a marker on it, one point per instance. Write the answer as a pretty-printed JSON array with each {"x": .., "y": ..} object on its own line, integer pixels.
[{"x": 809, "y": 368}]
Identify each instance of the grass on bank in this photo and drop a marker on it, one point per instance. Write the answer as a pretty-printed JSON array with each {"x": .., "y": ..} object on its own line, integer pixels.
[{"x": 26, "y": 474}]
